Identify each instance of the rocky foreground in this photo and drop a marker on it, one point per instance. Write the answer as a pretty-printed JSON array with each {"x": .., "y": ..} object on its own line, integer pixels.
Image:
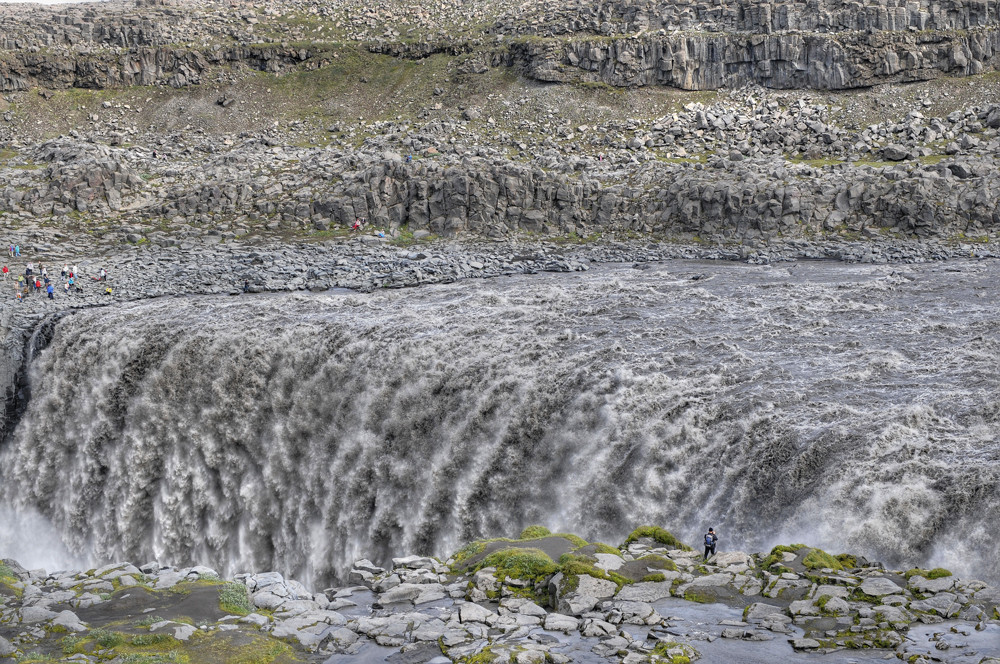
[{"x": 540, "y": 598}]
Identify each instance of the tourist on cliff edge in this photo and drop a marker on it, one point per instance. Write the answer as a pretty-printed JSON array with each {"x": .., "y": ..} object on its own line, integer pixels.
[{"x": 710, "y": 541}]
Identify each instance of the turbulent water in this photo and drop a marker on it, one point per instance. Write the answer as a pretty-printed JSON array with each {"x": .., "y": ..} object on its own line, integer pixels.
[{"x": 856, "y": 408}]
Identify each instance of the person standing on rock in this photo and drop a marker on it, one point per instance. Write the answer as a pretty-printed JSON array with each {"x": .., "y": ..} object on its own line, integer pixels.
[
  {"x": 246, "y": 285},
  {"x": 710, "y": 542},
  {"x": 51, "y": 290},
  {"x": 65, "y": 270},
  {"x": 6, "y": 273},
  {"x": 17, "y": 250},
  {"x": 104, "y": 275}
]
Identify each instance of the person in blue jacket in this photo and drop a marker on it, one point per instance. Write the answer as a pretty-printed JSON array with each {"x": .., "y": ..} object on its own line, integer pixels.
[{"x": 710, "y": 541}]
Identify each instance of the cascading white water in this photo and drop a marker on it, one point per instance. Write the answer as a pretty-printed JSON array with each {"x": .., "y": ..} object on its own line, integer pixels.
[{"x": 850, "y": 407}]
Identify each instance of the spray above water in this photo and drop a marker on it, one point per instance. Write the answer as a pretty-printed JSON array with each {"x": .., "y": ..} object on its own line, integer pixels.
[
  {"x": 29, "y": 538},
  {"x": 845, "y": 406}
]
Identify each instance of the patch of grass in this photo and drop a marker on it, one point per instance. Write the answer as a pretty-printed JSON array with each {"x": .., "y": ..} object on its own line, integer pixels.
[
  {"x": 847, "y": 561},
  {"x": 573, "y": 567},
  {"x": 657, "y": 534},
  {"x": 652, "y": 578},
  {"x": 936, "y": 573},
  {"x": 484, "y": 656},
  {"x": 262, "y": 651},
  {"x": 661, "y": 653},
  {"x": 529, "y": 564},
  {"x": 576, "y": 540},
  {"x": 234, "y": 598},
  {"x": 660, "y": 562},
  {"x": 31, "y": 657},
  {"x": 73, "y": 644},
  {"x": 858, "y": 595},
  {"x": 470, "y": 550},
  {"x": 106, "y": 638},
  {"x": 534, "y": 532},
  {"x": 600, "y": 547},
  {"x": 815, "y": 163},
  {"x": 819, "y": 559},
  {"x": 775, "y": 555},
  {"x": 148, "y": 621},
  {"x": 172, "y": 657},
  {"x": 7, "y": 573},
  {"x": 699, "y": 595},
  {"x": 144, "y": 640}
]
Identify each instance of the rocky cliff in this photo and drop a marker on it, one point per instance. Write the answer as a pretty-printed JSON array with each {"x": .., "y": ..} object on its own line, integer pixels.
[{"x": 443, "y": 142}]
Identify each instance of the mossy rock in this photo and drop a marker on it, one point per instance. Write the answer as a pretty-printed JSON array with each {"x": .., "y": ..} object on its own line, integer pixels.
[
  {"x": 525, "y": 563},
  {"x": 669, "y": 652},
  {"x": 600, "y": 547},
  {"x": 819, "y": 559},
  {"x": 847, "y": 561},
  {"x": 484, "y": 656},
  {"x": 776, "y": 557},
  {"x": 936, "y": 573},
  {"x": 535, "y": 532},
  {"x": 471, "y": 556},
  {"x": 658, "y": 535},
  {"x": 573, "y": 567}
]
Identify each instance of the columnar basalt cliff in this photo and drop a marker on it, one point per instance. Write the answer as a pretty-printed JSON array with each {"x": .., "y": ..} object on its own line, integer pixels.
[{"x": 751, "y": 165}]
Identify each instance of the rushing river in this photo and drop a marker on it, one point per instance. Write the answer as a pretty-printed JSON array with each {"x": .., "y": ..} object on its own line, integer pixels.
[{"x": 856, "y": 408}]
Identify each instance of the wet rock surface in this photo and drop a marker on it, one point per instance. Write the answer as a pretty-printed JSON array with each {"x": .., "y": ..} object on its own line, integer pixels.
[{"x": 426, "y": 610}]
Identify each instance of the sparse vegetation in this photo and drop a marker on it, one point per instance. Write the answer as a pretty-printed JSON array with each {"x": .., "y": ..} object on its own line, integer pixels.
[
  {"x": 234, "y": 597},
  {"x": 819, "y": 559},
  {"x": 936, "y": 573},
  {"x": 535, "y": 532},
  {"x": 657, "y": 534},
  {"x": 528, "y": 564}
]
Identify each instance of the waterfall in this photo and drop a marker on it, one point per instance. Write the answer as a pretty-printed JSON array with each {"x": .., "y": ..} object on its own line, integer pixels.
[{"x": 849, "y": 407}]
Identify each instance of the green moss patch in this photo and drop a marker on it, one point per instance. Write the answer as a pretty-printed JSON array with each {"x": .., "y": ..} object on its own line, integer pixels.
[
  {"x": 936, "y": 573},
  {"x": 235, "y": 598},
  {"x": 535, "y": 532},
  {"x": 471, "y": 556},
  {"x": 574, "y": 567},
  {"x": 819, "y": 559},
  {"x": 776, "y": 554},
  {"x": 847, "y": 561},
  {"x": 528, "y": 564},
  {"x": 657, "y": 534},
  {"x": 659, "y": 562}
]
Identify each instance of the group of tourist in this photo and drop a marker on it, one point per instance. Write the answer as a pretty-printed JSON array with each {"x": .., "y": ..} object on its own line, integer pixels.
[{"x": 36, "y": 280}]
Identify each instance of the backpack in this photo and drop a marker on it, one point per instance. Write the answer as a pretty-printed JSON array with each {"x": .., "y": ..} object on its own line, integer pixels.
[{"x": 709, "y": 539}]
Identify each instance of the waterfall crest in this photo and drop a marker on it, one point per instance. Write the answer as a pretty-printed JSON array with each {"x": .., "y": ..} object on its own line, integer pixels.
[{"x": 300, "y": 432}]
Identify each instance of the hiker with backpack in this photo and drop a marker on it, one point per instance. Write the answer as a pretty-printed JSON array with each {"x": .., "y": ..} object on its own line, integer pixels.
[{"x": 710, "y": 541}]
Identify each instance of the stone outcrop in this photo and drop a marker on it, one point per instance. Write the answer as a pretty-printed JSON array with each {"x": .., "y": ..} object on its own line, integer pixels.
[
  {"x": 612, "y": 17},
  {"x": 690, "y": 45},
  {"x": 161, "y": 65},
  {"x": 433, "y": 611},
  {"x": 782, "y": 61}
]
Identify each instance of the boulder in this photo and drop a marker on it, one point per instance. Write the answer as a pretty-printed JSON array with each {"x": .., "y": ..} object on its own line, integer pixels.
[
  {"x": 647, "y": 591},
  {"x": 879, "y": 586},
  {"x": 895, "y": 152},
  {"x": 558, "y": 622}
]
